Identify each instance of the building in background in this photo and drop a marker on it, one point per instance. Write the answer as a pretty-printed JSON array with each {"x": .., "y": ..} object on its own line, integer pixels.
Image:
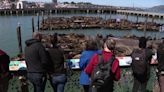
[
  {"x": 54, "y": 1},
  {"x": 21, "y": 4}
]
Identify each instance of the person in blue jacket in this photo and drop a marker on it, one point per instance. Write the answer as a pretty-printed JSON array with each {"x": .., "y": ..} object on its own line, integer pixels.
[{"x": 86, "y": 55}]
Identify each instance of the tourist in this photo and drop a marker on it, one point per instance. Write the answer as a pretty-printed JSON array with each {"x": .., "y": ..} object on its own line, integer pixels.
[
  {"x": 141, "y": 59},
  {"x": 57, "y": 74},
  {"x": 4, "y": 71},
  {"x": 37, "y": 62},
  {"x": 107, "y": 53},
  {"x": 90, "y": 49},
  {"x": 160, "y": 58}
]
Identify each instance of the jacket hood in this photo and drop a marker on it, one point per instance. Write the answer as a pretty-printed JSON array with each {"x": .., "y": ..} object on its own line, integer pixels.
[
  {"x": 31, "y": 41},
  {"x": 2, "y": 52}
]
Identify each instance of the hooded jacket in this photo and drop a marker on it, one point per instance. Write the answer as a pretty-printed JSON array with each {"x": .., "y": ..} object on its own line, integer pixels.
[
  {"x": 4, "y": 63},
  {"x": 36, "y": 56}
]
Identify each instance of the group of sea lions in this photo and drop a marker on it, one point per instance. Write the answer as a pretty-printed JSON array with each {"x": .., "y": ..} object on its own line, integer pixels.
[{"x": 74, "y": 44}]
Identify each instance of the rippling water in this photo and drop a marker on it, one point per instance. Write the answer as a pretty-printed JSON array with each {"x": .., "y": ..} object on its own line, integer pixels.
[{"x": 8, "y": 24}]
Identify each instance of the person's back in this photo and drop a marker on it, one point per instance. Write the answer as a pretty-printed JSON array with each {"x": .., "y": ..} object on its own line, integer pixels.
[
  {"x": 4, "y": 62},
  {"x": 107, "y": 53},
  {"x": 91, "y": 48},
  {"x": 37, "y": 62},
  {"x": 57, "y": 72},
  {"x": 4, "y": 71},
  {"x": 57, "y": 58},
  {"x": 34, "y": 54},
  {"x": 141, "y": 57},
  {"x": 160, "y": 58}
]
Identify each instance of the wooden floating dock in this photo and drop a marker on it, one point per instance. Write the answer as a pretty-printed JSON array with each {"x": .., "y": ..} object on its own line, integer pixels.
[{"x": 82, "y": 22}]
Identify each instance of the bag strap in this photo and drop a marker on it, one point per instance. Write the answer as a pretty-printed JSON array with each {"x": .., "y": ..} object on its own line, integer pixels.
[
  {"x": 101, "y": 59},
  {"x": 144, "y": 52}
]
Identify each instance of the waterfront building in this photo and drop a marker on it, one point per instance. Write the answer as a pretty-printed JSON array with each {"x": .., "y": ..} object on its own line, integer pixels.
[
  {"x": 5, "y": 5},
  {"x": 22, "y": 4},
  {"x": 13, "y": 0},
  {"x": 54, "y": 1}
]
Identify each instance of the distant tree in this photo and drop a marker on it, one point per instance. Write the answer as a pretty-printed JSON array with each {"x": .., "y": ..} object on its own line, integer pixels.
[
  {"x": 66, "y": 2},
  {"x": 88, "y": 3},
  {"x": 85, "y": 3},
  {"x": 73, "y": 2}
]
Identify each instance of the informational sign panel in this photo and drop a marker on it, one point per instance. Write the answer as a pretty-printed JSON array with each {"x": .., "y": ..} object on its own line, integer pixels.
[
  {"x": 124, "y": 61},
  {"x": 17, "y": 65},
  {"x": 74, "y": 63}
]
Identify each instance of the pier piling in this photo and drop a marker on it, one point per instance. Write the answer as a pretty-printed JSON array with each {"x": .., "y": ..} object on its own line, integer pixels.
[
  {"x": 137, "y": 19},
  {"x": 33, "y": 28},
  {"x": 38, "y": 21},
  {"x": 145, "y": 26},
  {"x": 19, "y": 38}
]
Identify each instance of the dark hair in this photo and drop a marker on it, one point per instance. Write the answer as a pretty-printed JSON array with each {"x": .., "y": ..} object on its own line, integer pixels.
[
  {"x": 54, "y": 40},
  {"x": 142, "y": 42},
  {"x": 162, "y": 40},
  {"x": 91, "y": 45},
  {"x": 37, "y": 35},
  {"x": 110, "y": 43}
]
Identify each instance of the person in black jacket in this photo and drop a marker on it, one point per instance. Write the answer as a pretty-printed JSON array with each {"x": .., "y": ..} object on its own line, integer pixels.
[
  {"x": 160, "y": 58},
  {"x": 37, "y": 62},
  {"x": 4, "y": 71},
  {"x": 141, "y": 79},
  {"x": 58, "y": 76}
]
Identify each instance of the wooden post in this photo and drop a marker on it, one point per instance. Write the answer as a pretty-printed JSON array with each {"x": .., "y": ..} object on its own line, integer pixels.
[
  {"x": 42, "y": 15},
  {"x": 110, "y": 13},
  {"x": 19, "y": 38},
  {"x": 137, "y": 19},
  {"x": 43, "y": 18},
  {"x": 145, "y": 26},
  {"x": 127, "y": 16},
  {"x": 152, "y": 19},
  {"x": 38, "y": 21},
  {"x": 51, "y": 20},
  {"x": 33, "y": 28},
  {"x": 105, "y": 16}
]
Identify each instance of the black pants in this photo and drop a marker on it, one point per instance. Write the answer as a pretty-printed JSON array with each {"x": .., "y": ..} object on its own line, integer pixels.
[
  {"x": 38, "y": 80},
  {"x": 139, "y": 86},
  {"x": 161, "y": 83},
  {"x": 4, "y": 82},
  {"x": 105, "y": 88},
  {"x": 86, "y": 88}
]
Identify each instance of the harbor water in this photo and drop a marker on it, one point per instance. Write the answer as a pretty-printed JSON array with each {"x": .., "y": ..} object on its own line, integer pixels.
[{"x": 8, "y": 25}]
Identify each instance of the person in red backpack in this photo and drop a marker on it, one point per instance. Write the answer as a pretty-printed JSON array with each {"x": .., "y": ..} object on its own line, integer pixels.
[{"x": 107, "y": 52}]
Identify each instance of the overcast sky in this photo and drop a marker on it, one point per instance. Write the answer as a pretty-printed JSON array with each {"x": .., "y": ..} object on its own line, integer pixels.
[{"x": 131, "y": 3}]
